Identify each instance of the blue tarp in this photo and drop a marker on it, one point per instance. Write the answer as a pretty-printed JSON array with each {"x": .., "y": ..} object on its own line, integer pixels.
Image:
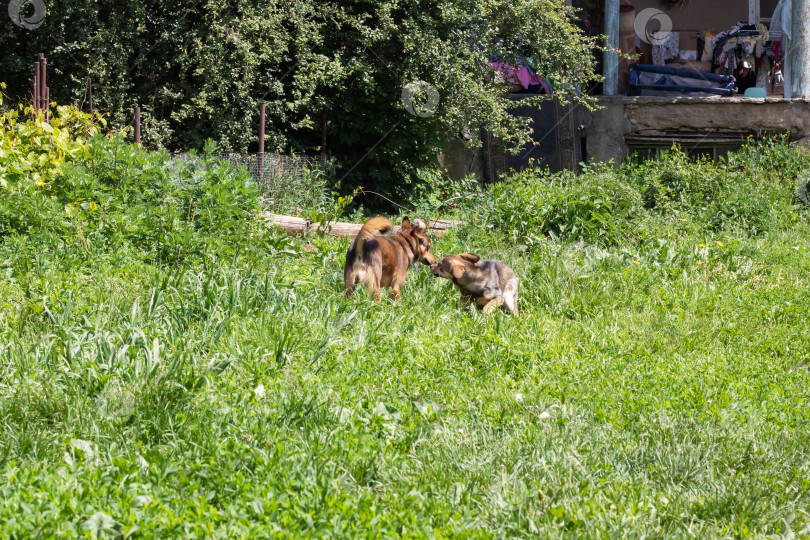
[{"x": 649, "y": 80}]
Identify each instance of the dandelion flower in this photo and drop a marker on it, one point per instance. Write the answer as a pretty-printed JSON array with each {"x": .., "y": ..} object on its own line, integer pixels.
[
  {"x": 702, "y": 246},
  {"x": 636, "y": 262},
  {"x": 719, "y": 243}
]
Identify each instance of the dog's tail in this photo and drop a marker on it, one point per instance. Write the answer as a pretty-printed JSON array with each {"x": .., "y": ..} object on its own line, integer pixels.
[{"x": 373, "y": 227}]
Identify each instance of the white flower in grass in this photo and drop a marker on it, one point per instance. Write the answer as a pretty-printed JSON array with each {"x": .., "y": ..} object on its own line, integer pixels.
[
  {"x": 101, "y": 525},
  {"x": 544, "y": 415},
  {"x": 260, "y": 391},
  {"x": 83, "y": 448},
  {"x": 519, "y": 397}
]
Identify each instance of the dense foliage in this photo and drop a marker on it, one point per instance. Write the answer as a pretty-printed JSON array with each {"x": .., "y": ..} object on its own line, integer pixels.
[
  {"x": 750, "y": 192},
  {"x": 332, "y": 73},
  {"x": 32, "y": 152},
  {"x": 170, "y": 367},
  {"x": 66, "y": 182}
]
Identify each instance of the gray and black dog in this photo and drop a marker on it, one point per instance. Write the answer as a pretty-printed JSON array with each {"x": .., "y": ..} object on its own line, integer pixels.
[{"x": 487, "y": 283}]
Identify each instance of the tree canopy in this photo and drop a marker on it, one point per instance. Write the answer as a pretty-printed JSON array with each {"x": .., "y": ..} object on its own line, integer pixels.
[{"x": 333, "y": 74}]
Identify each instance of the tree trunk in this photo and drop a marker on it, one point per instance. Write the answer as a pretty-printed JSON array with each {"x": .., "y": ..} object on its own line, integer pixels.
[{"x": 297, "y": 225}]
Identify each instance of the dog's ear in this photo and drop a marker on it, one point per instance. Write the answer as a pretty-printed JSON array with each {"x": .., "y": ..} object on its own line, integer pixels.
[
  {"x": 457, "y": 270},
  {"x": 472, "y": 257},
  {"x": 406, "y": 224}
]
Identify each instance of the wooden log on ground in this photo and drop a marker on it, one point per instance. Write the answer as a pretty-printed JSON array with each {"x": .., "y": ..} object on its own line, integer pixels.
[{"x": 297, "y": 225}]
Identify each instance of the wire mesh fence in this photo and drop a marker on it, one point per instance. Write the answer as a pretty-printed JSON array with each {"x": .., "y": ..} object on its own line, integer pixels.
[
  {"x": 272, "y": 166},
  {"x": 287, "y": 183}
]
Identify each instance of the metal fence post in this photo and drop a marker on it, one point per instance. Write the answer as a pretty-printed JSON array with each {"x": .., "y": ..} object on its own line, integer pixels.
[
  {"x": 43, "y": 83},
  {"x": 261, "y": 140},
  {"x": 36, "y": 86},
  {"x": 137, "y": 125}
]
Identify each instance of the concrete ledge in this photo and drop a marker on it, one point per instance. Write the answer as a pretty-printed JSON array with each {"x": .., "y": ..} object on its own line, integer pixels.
[
  {"x": 624, "y": 119},
  {"x": 653, "y": 100}
]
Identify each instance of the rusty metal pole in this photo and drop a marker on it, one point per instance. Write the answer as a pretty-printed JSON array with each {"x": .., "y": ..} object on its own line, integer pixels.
[
  {"x": 90, "y": 93},
  {"x": 36, "y": 86},
  {"x": 323, "y": 139},
  {"x": 261, "y": 140},
  {"x": 43, "y": 74},
  {"x": 137, "y": 125}
]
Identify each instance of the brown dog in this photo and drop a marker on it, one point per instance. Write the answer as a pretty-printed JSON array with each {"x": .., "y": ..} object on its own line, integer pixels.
[
  {"x": 383, "y": 261},
  {"x": 488, "y": 283}
]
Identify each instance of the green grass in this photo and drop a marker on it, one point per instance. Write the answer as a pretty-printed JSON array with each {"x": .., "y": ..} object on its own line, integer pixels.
[
  {"x": 656, "y": 384},
  {"x": 239, "y": 398}
]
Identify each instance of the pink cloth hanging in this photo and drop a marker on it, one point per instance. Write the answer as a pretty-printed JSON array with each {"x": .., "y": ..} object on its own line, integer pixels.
[{"x": 521, "y": 75}]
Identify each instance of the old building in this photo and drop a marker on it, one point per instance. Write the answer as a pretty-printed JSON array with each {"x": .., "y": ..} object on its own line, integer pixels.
[
  {"x": 776, "y": 72},
  {"x": 748, "y": 74}
]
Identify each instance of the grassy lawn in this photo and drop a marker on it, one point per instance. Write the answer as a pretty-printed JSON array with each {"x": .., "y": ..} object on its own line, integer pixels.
[{"x": 656, "y": 384}]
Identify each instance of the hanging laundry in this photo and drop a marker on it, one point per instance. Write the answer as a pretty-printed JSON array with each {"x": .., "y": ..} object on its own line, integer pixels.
[
  {"x": 666, "y": 46},
  {"x": 739, "y": 52},
  {"x": 521, "y": 76}
]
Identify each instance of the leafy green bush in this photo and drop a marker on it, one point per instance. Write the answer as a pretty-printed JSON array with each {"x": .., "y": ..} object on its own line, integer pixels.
[
  {"x": 738, "y": 207},
  {"x": 25, "y": 210},
  {"x": 748, "y": 192},
  {"x": 597, "y": 206},
  {"x": 65, "y": 181},
  {"x": 32, "y": 155},
  {"x": 33, "y": 151},
  {"x": 674, "y": 182},
  {"x": 741, "y": 192},
  {"x": 770, "y": 160},
  {"x": 170, "y": 208}
]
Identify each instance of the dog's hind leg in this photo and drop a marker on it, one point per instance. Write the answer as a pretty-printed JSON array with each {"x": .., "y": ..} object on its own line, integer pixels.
[
  {"x": 511, "y": 302},
  {"x": 350, "y": 279},
  {"x": 510, "y": 295},
  {"x": 348, "y": 286},
  {"x": 372, "y": 283}
]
